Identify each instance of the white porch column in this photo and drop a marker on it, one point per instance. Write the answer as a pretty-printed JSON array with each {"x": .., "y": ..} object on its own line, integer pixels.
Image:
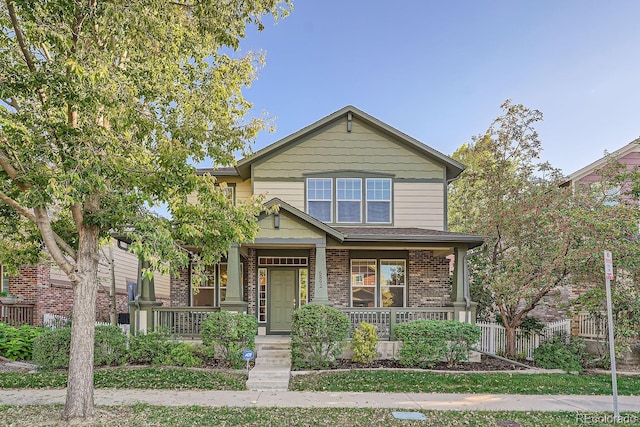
[
  {"x": 233, "y": 298},
  {"x": 321, "y": 294}
]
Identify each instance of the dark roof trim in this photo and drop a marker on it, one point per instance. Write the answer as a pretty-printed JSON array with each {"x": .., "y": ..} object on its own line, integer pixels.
[
  {"x": 218, "y": 172},
  {"x": 453, "y": 168}
]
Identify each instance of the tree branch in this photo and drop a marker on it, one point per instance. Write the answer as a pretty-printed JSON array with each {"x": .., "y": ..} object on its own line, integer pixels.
[
  {"x": 55, "y": 244},
  {"x": 6, "y": 165},
  {"x": 22, "y": 43}
]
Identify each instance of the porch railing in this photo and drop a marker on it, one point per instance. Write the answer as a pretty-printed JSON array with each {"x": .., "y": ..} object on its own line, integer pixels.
[
  {"x": 17, "y": 314},
  {"x": 183, "y": 321},
  {"x": 385, "y": 318}
]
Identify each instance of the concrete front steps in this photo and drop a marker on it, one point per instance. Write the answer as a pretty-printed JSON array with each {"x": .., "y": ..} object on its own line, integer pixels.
[{"x": 273, "y": 364}]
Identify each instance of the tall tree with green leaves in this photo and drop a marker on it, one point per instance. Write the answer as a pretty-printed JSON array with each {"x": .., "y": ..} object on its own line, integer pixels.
[
  {"x": 104, "y": 107},
  {"x": 539, "y": 233}
]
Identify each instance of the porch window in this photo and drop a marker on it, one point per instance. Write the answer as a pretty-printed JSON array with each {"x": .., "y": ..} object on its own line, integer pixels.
[
  {"x": 213, "y": 289},
  {"x": 363, "y": 283},
  {"x": 206, "y": 291},
  {"x": 393, "y": 283},
  {"x": 319, "y": 196},
  {"x": 379, "y": 200},
  {"x": 349, "y": 199},
  {"x": 303, "y": 287},
  {"x": 262, "y": 295}
]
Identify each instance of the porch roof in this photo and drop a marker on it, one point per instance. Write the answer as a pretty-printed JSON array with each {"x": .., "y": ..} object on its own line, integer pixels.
[{"x": 409, "y": 235}]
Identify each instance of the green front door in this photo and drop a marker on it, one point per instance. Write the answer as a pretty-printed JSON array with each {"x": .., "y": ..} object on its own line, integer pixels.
[{"x": 282, "y": 299}]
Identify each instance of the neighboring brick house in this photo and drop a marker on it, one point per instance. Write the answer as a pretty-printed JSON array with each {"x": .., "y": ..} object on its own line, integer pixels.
[
  {"x": 44, "y": 288},
  {"x": 362, "y": 224}
]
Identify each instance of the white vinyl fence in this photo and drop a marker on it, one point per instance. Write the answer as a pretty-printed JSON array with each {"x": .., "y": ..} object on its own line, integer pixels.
[
  {"x": 54, "y": 321},
  {"x": 494, "y": 337}
]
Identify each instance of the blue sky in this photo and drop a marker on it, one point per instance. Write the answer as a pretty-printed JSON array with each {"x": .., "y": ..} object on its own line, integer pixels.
[{"x": 439, "y": 70}]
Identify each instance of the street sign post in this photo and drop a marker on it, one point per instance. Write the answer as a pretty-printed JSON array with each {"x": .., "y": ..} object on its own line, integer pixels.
[{"x": 608, "y": 273}]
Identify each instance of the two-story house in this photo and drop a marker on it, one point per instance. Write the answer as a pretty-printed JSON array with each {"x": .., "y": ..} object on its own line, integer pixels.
[{"x": 361, "y": 225}]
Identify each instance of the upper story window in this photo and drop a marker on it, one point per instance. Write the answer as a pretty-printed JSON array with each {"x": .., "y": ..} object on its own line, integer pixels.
[
  {"x": 352, "y": 203},
  {"x": 319, "y": 198},
  {"x": 379, "y": 200},
  {"x": 349, "y": 199}
]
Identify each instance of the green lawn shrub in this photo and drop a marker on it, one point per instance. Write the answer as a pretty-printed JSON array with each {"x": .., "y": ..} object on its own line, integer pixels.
[
  {"x": 318, "y": 336},
  {"x": 182, "y": 354},
  {"x": 363, "y": 343},
  {"x": 17, "y": 343},
  {"x": 51, "y": 348},
  {"x": 427, "y": 342},
  {"x": 150, "y": 349},
  {"x": 561, "y": 352},
  {"x": 227, "y": 334}
]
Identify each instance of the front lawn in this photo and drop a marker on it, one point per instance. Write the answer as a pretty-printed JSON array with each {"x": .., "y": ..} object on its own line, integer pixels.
[
  {"x": 145, "y": 378},
  {"x": 430, "y": 382},
  {"x": 145, "y": 415}
]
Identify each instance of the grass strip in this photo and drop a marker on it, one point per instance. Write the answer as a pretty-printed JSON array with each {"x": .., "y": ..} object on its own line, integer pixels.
[
  {"x": 428, "y": 382},
  {"x": 147, "y": 415},
  {"x": 142, "y": 378}
]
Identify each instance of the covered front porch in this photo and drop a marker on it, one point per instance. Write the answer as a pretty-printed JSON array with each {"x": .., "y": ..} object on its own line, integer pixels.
[{"x": 379, "y": 275}]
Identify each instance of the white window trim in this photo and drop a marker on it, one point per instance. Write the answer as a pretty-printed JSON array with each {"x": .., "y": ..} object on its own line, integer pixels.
[
  {"x": 330, "y": 200},
  {"x": 404, "y": 286},
  {"x": 390, "y": 201},
  {"x": 375, "y": 285},
  {"x": 338, "y": 200}
]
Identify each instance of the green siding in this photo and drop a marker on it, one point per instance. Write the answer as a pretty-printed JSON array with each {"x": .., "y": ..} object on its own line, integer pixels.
[
  {"x": 290, "y": 228},
  {"x": 362, "y": 149}
]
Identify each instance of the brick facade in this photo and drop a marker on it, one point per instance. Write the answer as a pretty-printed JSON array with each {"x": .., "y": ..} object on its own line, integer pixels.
[
  {"x": 338, "y": 277},
  {"x": 32, "y": 285},
  {"x": 429, "y": 282}
]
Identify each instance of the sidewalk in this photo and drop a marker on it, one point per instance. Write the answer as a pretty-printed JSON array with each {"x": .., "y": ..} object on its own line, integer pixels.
[{"x": 413, "y": 401}]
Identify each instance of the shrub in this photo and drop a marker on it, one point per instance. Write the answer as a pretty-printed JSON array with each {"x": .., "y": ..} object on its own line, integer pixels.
[
  {"x": 318, "y": 335},
  {"x": 182, "y": 354},
  {"x": 229, "y": 333},
  {"x": 17, "y": 343},
  {"x": 427, "y": 342},
  {"x": 110, "y": 347},
  {"x": 561, "y": 352},
  {"x": 51, "y": 348},
  {"x": 150, "y": 348},
  {"x": 364, "y": 342}
]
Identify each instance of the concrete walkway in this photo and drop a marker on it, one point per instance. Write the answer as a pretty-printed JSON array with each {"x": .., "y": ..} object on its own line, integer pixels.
[{"x": 307, "y": 399}]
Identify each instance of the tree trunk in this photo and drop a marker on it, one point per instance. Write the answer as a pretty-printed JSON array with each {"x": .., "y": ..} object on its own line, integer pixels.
[
  {"x": 113, "y": 309},
  {"x": 79, "y": 403},
  {"x": 510, "y": 341}
]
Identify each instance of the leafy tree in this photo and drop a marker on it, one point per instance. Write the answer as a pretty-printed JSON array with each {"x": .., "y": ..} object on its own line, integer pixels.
[
  {"x": 540, "y": 233},
  {"x": 104, "y": 105}
]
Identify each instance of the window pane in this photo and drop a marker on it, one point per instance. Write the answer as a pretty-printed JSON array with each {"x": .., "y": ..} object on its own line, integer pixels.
[
  {"x": 379, "y": 212},
  {"x": 319, "y": 196},
  {"x": 363, "y": 283},
  {"x": 349, "y": 188},
  {"x": 392, "y": 296},
  {"x": 392, "y": 273},
  {"x": 349, "y": 212},
  {"x": 320, "y": 210},
  {"x": 204, "y": 298},
  {"x": 378, "y": 189}
]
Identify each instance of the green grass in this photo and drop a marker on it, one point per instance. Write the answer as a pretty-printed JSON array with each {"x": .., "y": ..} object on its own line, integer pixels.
[
  {"x": 428, "y": 382},
  {"x": 145, "y": 378},
  {"x": 145, "y": 415}
]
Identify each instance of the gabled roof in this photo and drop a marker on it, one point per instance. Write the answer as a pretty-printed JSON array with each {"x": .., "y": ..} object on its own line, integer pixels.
[
  {"x": 591, "y": 167},
  {"x": 305, "y": 217},
  {"x": 453, "y": 167}
]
